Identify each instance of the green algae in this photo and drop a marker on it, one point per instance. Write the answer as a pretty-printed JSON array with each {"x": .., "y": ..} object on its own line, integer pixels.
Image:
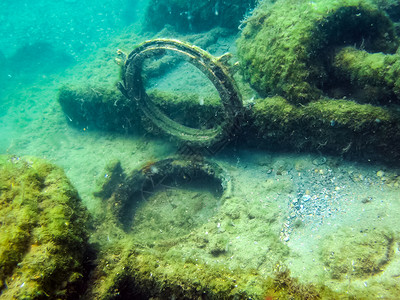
[
  {"x": 357, "y": 253},
  {"x": 108, "y": 109},
  {"x": 43, "y": 231},
  {"x": 377, "y": 74},
  {"x": 97, "y": 107},
  {"x": 152, "y": 274},
  {"x": 286, "y": 47},
  {"x": 328, "y": 124},
  {"x": 336, "y": 126},
  {"x": 234, "y": 252},
  {"x": 181, "y": 244},
  {"x": 125, "y": 270}
]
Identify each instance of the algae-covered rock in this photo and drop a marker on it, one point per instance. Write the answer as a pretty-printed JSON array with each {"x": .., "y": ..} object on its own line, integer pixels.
[
  {"x": 357, "y": 253},
  {"x": 43, "y": 233},
  {"x": 195, "y": 15},
  {"x": 286, "y": 48}
]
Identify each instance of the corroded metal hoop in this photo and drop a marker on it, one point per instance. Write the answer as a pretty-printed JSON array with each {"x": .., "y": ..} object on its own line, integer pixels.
[{"x": 215, "y": 70}]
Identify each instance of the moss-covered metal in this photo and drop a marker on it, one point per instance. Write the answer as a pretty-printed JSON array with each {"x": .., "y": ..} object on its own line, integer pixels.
[
  {"x": 97, "y": 108},
  {"x": 128, "y": 271},
  {"x": 339, "y": 127},
  {"x": 370, "y": 77},
  {"x": 156, "y": 173},
  {"x": 287, "y": 48},
  {"x": 43, "y": 231}
]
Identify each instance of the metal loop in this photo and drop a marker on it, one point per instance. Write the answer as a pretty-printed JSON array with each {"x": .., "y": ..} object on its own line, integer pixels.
[{"x": 215, "y": 70}]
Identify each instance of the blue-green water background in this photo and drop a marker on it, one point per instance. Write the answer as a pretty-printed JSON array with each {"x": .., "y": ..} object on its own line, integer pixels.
[
  {"x": 47, "y": 44},
  {"x": 41, "y": 42}
]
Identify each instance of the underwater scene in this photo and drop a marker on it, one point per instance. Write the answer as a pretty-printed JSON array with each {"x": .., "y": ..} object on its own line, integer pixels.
[{"x": 200, "y": 149}]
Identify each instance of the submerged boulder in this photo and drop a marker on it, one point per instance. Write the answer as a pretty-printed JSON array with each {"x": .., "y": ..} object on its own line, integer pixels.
[{"x": 43, "y": 231}]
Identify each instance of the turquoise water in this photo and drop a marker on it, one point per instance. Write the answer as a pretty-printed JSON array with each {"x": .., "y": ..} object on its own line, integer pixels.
[{"x": 263, "y": 213}]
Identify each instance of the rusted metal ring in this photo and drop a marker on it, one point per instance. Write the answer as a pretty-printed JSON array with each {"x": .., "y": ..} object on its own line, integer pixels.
[{"x": 215, "y": 70}]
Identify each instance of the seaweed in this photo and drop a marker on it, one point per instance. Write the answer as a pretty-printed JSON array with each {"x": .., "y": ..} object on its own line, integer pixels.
[
  {"x": 287, "y": 48},
  {"x": 43, "y": 228}
]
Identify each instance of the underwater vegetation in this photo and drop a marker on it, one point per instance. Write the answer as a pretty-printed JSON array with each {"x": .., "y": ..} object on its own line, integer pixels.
[
  {"x": 341, "y": 127},
  {"x": 336, "y": 126},
  {"x": 158, "y": 250},
  {"x": 304, "y": 56},
  {"x": 43, "y": 231},
  {"x": 325, "y": 87},
  {"x": 168, "y": 254},
  {"x": 173, "y": 229},
  {"x": 107, "y": 109},
  {"x": 149, "y": 245},
  {"x": 97, "y": 107},
  {"x": 287, "y": 48},
  {"x": 357, "y": 253},
  {"x": 370, "y": 77}
]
